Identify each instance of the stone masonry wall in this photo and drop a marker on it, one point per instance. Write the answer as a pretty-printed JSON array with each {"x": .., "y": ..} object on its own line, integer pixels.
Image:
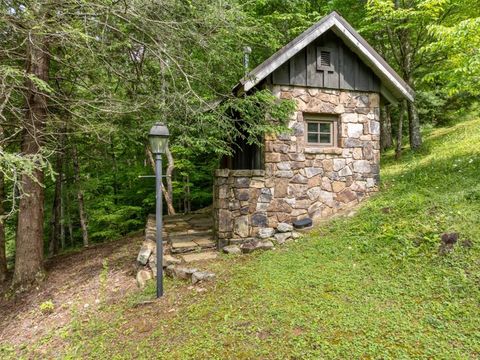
[{"x": 299, "y": 179}]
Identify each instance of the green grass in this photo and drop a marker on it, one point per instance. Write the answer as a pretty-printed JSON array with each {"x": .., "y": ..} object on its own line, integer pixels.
[{"x": 373, "y": 286}]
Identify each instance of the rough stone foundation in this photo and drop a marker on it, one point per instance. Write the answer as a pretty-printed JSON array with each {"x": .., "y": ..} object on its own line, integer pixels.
[{"x": 300, "y": 180}]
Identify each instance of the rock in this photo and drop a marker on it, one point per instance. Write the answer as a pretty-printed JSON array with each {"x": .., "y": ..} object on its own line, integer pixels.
[
  {"x": 143, "y": 276},
  {"x": 169, "y": 270},
  {"x": 346, "y": 171},
  {"x": 346, "y": 195},
  {"x": 241, "y": 227},
  {"x": 312, "y": 171},
  {"x": 259, "y": 219},
  {"x": 232, "y": 250},
  {"x": 284, "y": 166},
  {"x": 284, "y": 227},
  {"x": 241, "y": 182},
  {"x": 170, "y": 260},
  {"x": 374, "y": 127},
  {"x": 361, "y": 166},
  {"x": 242, "y": 194},
  {"x": 265, "y": 233},
  {"x": 248, "y": 247},
  {"x": 284, "y": 174},
  {"x": 265, "y": 195},
  {"x": 144, "y": 253},
  {"x": 338, "y": 186},
  {"x": 198, "y": 276},
  {"x": 280, "y": 238},
  {"x": 180, "y": 272},
  {"x": 338, "y": 164},
  {"x": 314, "y": 193},
  {"x": 265, "y": 245},
  {"x": 368, "y": 152},
  {"x": 299, "y": 179},
  {"x": 298, "y": 128},
  {"x": 354, "y": 130},
  {"x": 152, "y": 263}
]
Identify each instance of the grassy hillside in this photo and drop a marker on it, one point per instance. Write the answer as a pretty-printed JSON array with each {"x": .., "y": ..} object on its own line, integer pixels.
[{"x": 371, "y": 286}]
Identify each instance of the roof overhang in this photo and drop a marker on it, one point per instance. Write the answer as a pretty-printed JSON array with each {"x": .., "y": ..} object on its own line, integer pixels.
[{"x": 394, "y": 87}]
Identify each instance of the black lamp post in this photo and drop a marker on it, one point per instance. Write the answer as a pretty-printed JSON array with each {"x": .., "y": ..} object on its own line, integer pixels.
[{"x": 158, "y": 137}]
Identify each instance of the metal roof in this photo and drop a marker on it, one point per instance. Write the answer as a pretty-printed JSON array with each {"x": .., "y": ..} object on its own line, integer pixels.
[{"x": 391, "y": 81}]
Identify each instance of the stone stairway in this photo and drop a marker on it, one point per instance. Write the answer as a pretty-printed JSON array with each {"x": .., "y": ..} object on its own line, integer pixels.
[{"x": 184, "y": 234}]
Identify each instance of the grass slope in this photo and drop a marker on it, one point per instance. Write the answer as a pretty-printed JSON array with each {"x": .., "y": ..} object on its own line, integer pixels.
[{"x": 367, "y": 287}]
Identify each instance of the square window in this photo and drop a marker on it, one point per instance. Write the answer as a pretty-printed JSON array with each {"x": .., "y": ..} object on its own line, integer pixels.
[{"x": 321, "y": 130}]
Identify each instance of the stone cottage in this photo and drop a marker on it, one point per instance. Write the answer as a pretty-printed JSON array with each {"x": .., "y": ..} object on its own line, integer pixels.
[{"x": 330, "y": 159}]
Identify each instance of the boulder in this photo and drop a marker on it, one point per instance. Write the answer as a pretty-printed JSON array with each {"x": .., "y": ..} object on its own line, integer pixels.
[
  {"x": 199, "y": 276},
  {"x": 284, "y": 227},
  {"x": 170, "y": 260},
  {"x": 180, "y": 272},
  {"x": 232, "y": 250},
  {"x": 265, "y": 233},
  {"x": 248, "y": 247},
  {"x": 280, "y": 238},
  {"x": 143, "y": 275},
  {"x": 265, "y": 245},
  {"x": 144, "y": 253},
  {"x": 241, "y": 226},
  {"x": 259, "y": 219}
]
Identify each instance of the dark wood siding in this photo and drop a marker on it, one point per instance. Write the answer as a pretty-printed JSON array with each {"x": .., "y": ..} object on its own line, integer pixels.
[{"x": 347, "y": 71}]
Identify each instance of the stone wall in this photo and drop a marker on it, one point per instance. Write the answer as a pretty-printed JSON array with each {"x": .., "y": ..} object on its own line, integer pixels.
[{"x": 301, "y": 180}]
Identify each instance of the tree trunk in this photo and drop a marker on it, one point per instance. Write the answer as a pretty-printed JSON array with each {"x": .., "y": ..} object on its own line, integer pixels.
[
  {"x": 115, "y": 169},
  {"x": 62, "y": 212},
  {"x": 55, "y": 237},
  {"x": 81, "y": 203},
  {"x": 168, "y": 180},
  {"x": 414, "y": 127},
  {"x": 386, "y": 128},
  {"x": 3, "y": 258},
  {"x": 398, "y": 149},
  {"x": 167, "y": 194},
  {"x": 29, "y": 241}
]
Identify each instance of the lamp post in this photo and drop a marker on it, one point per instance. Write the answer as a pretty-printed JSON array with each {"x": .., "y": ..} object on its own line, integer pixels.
[{"x": 158, "y": 137}]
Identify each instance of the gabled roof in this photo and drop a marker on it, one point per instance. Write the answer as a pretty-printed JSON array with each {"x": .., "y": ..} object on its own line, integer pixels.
[{"x": 392, "y": 83}]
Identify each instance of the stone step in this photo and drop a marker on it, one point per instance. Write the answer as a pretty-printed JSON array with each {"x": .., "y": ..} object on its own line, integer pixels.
[
  {"x": 185, "y": 246},
  {"x": 202, "y": 256},
  {"x": 174, "y": 237}
]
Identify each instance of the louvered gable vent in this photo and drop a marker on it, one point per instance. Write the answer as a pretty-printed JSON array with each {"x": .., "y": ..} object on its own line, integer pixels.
[{"x": 325, "y": 58}]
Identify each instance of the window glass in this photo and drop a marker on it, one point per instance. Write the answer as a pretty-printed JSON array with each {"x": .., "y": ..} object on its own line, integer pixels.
[
  {"x": 312, "y": 138},
  {"x": 325, "y": 127},
  {"x": 325, "y": 138},
  {"x": 312, "y": 127}
]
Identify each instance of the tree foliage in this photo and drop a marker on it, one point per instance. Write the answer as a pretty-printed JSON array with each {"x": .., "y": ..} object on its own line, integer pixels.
[{"x": 115, "y": 68}]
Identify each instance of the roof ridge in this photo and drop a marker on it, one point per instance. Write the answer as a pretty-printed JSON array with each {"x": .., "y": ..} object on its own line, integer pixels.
[{"x": 348, "y": 35}]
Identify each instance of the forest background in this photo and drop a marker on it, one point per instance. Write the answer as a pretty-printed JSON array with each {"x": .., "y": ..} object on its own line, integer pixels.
[{"x": 81, "y": 83}]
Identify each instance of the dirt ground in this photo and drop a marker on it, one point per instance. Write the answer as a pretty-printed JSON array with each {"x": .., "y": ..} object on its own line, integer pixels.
[{"x": 76, "y": 282}]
